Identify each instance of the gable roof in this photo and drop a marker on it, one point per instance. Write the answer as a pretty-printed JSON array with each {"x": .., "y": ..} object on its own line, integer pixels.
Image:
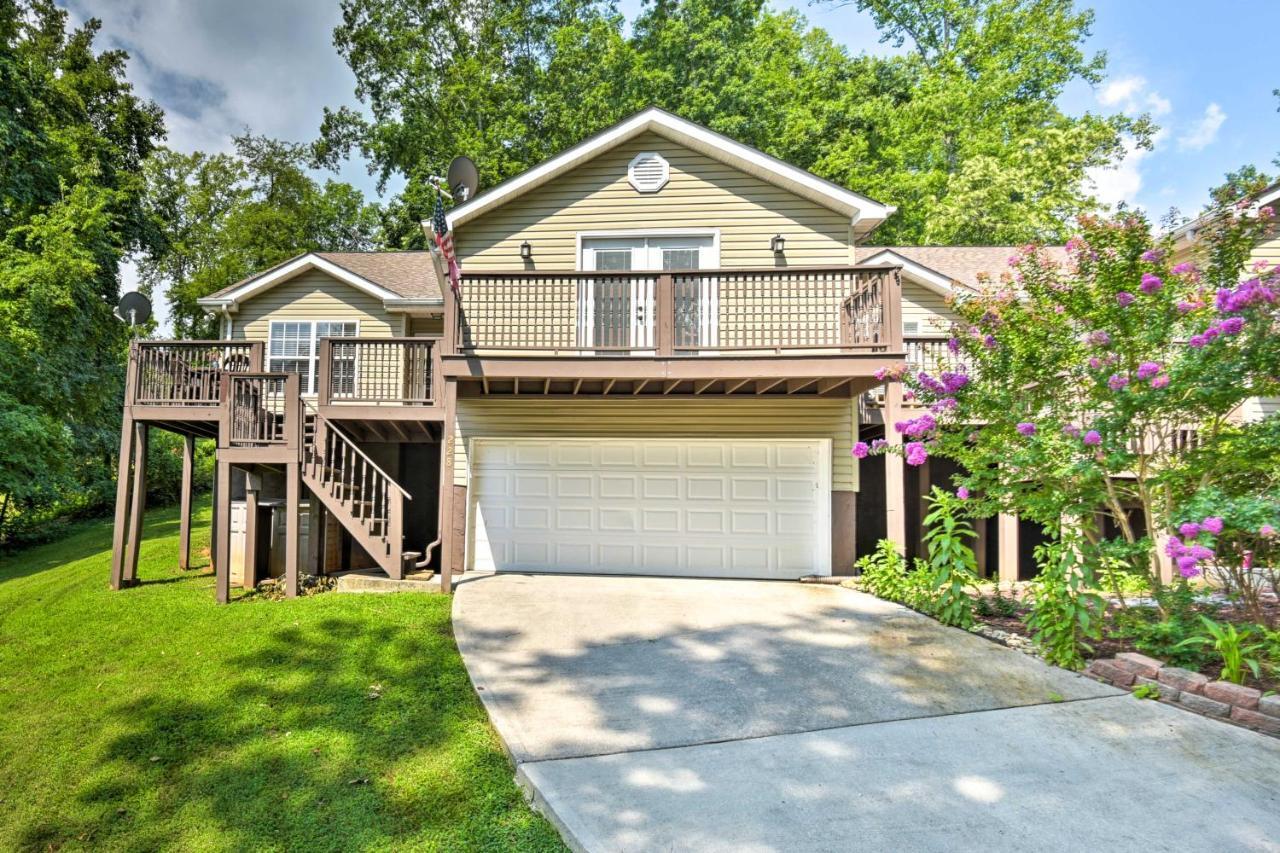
[
  {"x": 861, "y": 210},
  {"x": 942, "y": 267},
  {"x": 399, "y": 279}
]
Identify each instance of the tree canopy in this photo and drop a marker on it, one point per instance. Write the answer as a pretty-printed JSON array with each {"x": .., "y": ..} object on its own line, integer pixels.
[
  {"x": 961, "y": 130},
  {"x": 73, "y": 136},
  {"x": 222, "y": 217}
]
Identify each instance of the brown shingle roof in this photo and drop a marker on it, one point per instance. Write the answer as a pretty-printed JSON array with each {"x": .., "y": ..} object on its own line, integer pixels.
[
  {"x": 960, "y": 263},
  {"x": 410, "y": 275}
]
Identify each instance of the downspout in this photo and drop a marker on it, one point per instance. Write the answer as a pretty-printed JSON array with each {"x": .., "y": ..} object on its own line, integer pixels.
[{"x": 432, "y": 546}]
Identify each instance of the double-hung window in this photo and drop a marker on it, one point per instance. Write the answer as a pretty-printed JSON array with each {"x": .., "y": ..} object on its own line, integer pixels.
[{"x": 293, "y": 346}]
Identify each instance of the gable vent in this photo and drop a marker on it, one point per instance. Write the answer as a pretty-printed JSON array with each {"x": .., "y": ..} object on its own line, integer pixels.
[{"x": 648, "y": 172}]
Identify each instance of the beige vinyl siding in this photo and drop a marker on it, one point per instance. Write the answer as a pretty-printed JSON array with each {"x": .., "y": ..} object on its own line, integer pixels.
[
  {"x": 925, "y": 307},
  {"x": 702, "y": 193},
  {"x": 314, "y": 295},
  {"x": 1269, "y": 251},
  {"x": 833, "y": 418}
]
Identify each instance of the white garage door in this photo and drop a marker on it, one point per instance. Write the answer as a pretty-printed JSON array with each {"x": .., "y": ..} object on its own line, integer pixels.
[{"x": 700, "y": 508}]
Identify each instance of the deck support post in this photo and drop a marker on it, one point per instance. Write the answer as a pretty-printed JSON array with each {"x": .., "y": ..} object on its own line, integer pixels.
[
  {"x": 315, "y": 536},
  {"x": 895, "y": 494},
  {"x": 292, "y": 528},
  {"x": 138, "y": 503},
  {"x": 447, "y": 440},
  {"x": 980, "y": 527},
  {"x": 1007, "y": 524},
  {"x": 222, "y": 532},
  {"x": 252, "y": 487},
  {"x": 120, "y": 534},
  {"x": 184, "y": 520}
]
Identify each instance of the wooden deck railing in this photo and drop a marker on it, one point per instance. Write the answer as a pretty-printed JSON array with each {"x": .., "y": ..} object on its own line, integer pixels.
[
  {"x": 187, "y": 373},
  {"x": 740, "y": 311},
  {"x": 262, "y": 409},
  {"x": 378, "y": 371}
]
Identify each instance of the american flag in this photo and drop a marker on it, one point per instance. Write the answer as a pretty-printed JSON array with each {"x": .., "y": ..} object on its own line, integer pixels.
[{"x": 444, "y": 241}]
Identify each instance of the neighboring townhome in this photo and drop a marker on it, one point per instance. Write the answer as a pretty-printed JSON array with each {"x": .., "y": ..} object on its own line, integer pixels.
[
  {"x": 657, "y": 361},
  {"x": 1189, "y": 246}
]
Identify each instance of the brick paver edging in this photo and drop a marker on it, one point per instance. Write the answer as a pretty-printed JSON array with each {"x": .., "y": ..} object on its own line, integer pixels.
[{"x": 1192, "y": 691}]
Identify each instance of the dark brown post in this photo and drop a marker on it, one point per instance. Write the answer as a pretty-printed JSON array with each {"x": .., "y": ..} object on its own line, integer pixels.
[
  {"x": 447, "y": 439},
  {"x": 119, "y": 536},
  {"x": 293, "y": 414},
  {"x": 395, "y": 532},
  {"x": 891, "y": 293},
  {"x": 184, "y": 522},
  {"x": 326, "y": 365},
  {"x": 138, "y": 505},
  {"x": 292, "y": 528},
  {"x": 224, "y": 412},
  {"x": 222, "y": 532},
  {"x": 255, "y": 356},
  {"x": 315, "y": 535},
  {"x": 252, "y": 485},
  {"x": 666, "y": 325},
  {"x": 452, "y": 315},
  {"x": 895, "y": 497},
  {"x": 437, "y": 371}
]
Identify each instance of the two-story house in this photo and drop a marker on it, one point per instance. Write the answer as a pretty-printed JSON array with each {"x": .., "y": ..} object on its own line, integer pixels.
[{"x": 657, "y": 362}]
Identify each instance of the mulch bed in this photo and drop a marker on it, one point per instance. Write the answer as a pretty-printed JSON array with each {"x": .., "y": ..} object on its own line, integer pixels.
[{"x": 1112, "y": 643}]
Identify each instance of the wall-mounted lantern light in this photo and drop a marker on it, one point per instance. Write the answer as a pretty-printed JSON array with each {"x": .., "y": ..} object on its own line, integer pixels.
[
  {"x": 778, "y": 244},
  {"x": 526, "y": 251}
]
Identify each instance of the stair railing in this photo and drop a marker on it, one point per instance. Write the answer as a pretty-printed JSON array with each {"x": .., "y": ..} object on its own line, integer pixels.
[{"x": 372, "y": 497}]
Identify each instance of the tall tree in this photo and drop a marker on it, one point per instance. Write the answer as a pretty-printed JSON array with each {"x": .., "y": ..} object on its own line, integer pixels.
[
  {"x": 961, "y": 132},
  {"x": 977, "y": 151},
  {"x": 72, "y": 139},
  {"x": 222, "y": 217}
]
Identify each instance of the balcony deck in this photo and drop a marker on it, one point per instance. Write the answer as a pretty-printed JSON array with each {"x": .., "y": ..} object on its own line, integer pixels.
[
  {"x": 804, "y": 330},
  {"x": 384, "y": 389}
]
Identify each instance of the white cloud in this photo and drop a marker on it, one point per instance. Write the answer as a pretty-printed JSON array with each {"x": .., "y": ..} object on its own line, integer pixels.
[
  {"x": 1132, "y": 96},
  {"x": 1204, "y": 132},
  {"x": 217, "y": 68},
  {"x": 1119, "y": 183}
]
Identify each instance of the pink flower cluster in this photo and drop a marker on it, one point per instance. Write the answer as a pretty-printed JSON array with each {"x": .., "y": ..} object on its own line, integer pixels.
[
  {"x": 918, "y": 427},
  {"x": 1124, "y": 298},
  {"x": 916, "y": 453},
  {"x": 1026, "y": 428},
  {"x": 1092, "y": 438},
  {"x": 1189, "y": 553},
  {"x": 1153, "y": 256},
  {"x": 1099, "y": 338},
  {"x": 1117, "y": 382},
  {"x": 1229, "y": 326},
  {"x": 1246, "y": 294},
  {"x": 1150, "y": 283},
  {"x": 860, "y": 449}
]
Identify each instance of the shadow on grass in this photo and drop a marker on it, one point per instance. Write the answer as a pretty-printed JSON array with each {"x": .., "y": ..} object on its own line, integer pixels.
[{"x": 334, "y": 735}]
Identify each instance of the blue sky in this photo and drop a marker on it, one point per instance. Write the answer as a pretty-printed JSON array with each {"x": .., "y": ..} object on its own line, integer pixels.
[{"x": 1204, "y": 70}]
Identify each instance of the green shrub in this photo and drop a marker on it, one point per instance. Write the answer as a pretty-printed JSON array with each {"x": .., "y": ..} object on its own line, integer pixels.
[
  {"x": 884, "y": 572},
  {"x": 1163, "y": 637},
  {"x": 1235, "y": 647},
  {"x": 1064, "y": 613},
  {"x": 952, "y": 569}
]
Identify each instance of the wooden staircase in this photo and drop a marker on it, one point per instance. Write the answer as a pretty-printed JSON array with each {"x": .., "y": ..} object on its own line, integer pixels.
[{"x": 364, "y": 499}]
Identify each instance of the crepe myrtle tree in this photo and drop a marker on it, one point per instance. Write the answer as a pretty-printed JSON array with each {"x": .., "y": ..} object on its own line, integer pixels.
[{"x": 1072, "y": 383}]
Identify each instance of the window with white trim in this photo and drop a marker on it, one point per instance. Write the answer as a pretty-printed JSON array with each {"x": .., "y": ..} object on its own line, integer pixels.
[{"x": 293, "y": 346}]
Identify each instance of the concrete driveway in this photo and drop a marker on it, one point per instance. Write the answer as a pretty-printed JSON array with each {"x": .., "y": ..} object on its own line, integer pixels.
[{"x": 661, "y": 714}]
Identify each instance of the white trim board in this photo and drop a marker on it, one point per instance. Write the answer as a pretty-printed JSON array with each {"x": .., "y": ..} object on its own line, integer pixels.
[
  {"x": 230, "y": 302},
  {"x": 857, "y": 207},
  {"x": 925, "y": 276}
]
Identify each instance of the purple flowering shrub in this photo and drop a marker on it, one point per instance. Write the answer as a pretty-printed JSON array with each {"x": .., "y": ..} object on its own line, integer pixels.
[{"x": 1085, "y": 374}]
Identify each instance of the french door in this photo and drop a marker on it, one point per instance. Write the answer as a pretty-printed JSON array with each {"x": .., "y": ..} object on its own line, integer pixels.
[{"x": 619, "y": 312}]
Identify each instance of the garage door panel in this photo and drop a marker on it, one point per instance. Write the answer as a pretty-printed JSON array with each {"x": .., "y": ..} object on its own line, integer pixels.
[
  {"x": 617, "y": 486},
  {"x": 705, "y": 488},
  {"x": 574, "y": 485},
  {"x": 744, "y": 508}
]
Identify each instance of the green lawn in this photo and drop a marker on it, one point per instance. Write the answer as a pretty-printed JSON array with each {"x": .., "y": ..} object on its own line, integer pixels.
[{"x": 153, "y": 719}]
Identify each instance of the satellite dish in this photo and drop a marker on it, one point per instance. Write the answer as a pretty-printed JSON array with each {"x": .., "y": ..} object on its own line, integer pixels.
[
  {"x": 134, "y": 308},
  {"x": 463, "y": 178}
]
